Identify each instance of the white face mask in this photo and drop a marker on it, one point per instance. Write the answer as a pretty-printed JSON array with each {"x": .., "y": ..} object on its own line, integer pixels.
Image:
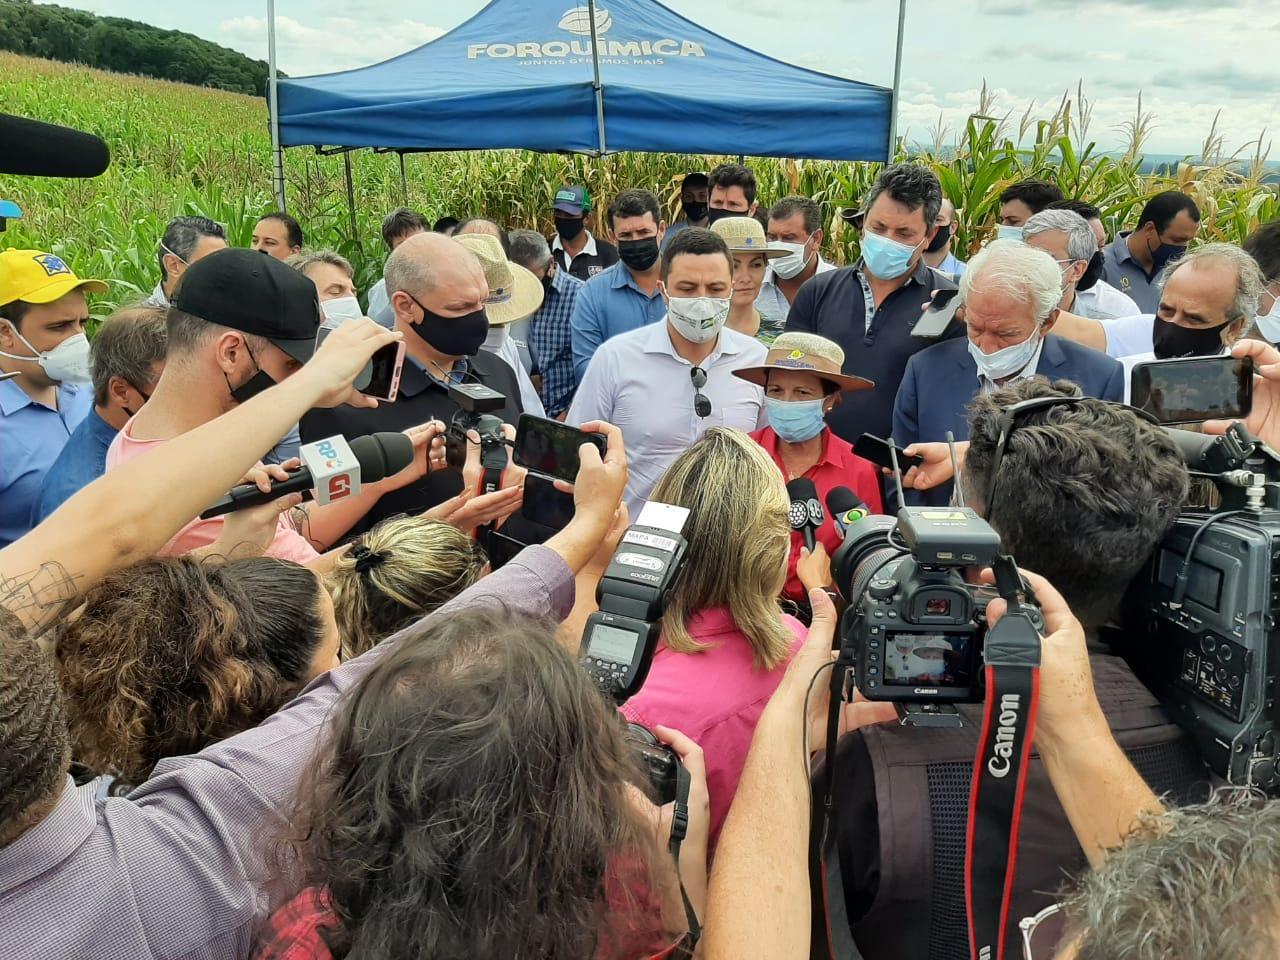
[
  {"x": 340, "y": 309},
  {"x": 698, "y": 319},
  {"x": 1269, "y": 322},
  {"x": 68, "y": 362},
  {"x": 793, "y": 264},
  {"x": 1006, "y": 362}
]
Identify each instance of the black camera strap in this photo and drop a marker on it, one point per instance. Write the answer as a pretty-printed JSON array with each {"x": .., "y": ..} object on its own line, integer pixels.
[
  {"x": 679, "y": 829},
  {"x": 1001, "y": 765}
]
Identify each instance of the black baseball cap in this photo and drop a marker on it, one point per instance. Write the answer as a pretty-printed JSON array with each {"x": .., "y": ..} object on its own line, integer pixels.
[{"x": 254, "y": 293}]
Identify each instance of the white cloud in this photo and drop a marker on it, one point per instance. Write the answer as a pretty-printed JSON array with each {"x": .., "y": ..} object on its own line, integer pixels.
[{"x": 328, "y": 44}]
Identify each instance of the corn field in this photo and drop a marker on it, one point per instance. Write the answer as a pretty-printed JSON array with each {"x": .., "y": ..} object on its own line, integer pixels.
[{"x": 186, "y": 150}]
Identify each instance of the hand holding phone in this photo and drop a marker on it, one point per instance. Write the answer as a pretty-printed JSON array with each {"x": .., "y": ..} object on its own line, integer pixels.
[
  {"x": 872, "y": 448},
  {"x": 938, "y": 314},
  {"x": 380, "y": 377},
  {"x": 1193, "y": 389},
  {"x": 550, "y": 448}
]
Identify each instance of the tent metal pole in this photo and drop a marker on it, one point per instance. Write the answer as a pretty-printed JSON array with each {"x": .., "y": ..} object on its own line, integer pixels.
[
  {"x": 273, "y": 105},
  {"x": 595, "y": 63},
  {"x": 351, "y": 193},
  {"x": 897, "y": 83},
  {"x": 404, "y": 183}
]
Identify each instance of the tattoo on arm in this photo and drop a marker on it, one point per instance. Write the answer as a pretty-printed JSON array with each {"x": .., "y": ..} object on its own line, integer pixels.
[{"x": 41, "y": 596}]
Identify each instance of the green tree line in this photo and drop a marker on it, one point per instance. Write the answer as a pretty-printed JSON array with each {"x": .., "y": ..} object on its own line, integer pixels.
[{"x": 126, "y": 46}]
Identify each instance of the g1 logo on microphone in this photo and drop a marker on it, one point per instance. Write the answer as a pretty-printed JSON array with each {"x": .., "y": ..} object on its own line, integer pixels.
[{"x": 339, "y": 487}]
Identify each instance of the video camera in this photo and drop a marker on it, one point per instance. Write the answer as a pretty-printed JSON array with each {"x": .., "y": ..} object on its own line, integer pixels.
[
  {"x": 1202, "y": 616},
  {"x": 476, "y": 404}
]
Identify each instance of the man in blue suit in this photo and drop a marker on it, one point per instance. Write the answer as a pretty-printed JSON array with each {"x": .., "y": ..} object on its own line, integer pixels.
[{"x": 1011, "y": 293}]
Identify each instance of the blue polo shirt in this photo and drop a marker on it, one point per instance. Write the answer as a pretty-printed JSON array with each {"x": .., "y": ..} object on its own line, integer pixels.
[
  {"x": 31, "y": 437},
  {"x": 1129, "y": 276},
  {"x": 611, "y": 303},
  {"x": 82, "y": 461}
]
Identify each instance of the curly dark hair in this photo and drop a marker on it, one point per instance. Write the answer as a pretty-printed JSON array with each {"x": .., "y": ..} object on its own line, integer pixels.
[
  {"x": 472, "y": 802},
  {"x": 1086, "y": 490},
  {"x": 33, "y": 731},
  {"x": 173, "y": 654}
]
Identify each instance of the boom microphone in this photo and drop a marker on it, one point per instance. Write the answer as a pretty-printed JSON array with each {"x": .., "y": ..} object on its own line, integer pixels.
[
  {"x": 805, "y": 513},
  {"x": 35, "y": 149},
  {"x": 377, "y": 456},
  {"x": 845, "y": 508}
]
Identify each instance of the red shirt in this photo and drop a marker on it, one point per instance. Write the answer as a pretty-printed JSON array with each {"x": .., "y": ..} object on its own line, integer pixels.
[{"x": 837, "y": 467}]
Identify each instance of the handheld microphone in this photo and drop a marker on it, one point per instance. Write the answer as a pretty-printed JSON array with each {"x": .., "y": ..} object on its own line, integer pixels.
[
  {"x": 375, "y": 457},
  {"x": 35, "y": 149},
  {"x": 845, "y": 508},
  {"x": 805, "y": 513}
]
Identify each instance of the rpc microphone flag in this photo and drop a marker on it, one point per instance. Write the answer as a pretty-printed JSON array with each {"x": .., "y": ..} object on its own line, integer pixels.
[{"x": 334, "y": 469}]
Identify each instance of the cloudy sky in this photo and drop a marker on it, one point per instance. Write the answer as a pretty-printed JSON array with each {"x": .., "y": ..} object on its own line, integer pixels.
[{"x": 1189, "y": 58}]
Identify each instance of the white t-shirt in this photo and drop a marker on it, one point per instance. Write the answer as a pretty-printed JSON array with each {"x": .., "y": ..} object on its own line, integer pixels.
[
  {"x": 1103, "y": 301},
  {"x": 1129, "y": 335}
]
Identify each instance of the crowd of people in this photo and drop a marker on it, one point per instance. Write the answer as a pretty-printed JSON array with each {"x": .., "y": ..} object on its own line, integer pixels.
[{"x": 358, "y": 729}]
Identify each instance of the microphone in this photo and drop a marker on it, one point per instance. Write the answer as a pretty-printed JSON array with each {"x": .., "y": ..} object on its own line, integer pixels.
[
  {"x": 332, "y": 471},
  {"x": 35, "y": 149},
  {"x": 805, "y": 513},
  {"x": 845, "y": 508}
]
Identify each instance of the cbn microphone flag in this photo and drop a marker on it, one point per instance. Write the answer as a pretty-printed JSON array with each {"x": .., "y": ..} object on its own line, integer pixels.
[{"x": 335, "y": 470}]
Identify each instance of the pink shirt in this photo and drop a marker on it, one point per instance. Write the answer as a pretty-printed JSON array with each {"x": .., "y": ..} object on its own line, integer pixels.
[
  {"x": 713, "y": 697},
  {"x": 288, "y": 544}
]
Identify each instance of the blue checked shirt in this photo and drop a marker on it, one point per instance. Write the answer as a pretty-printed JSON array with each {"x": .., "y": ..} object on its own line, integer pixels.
[{"x": 550, "y": 337}]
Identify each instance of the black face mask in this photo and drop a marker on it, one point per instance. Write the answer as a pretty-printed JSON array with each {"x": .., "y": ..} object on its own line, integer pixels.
[
  {"x": 546, "y": 283},
  {"x": 569, "y": 228},
  {"x": 639, "y": 254},
  {"x": 939, "y": 239},
  {"x": 1171, "y": 340},
  {"x": 716, "y": 213},
  {"x": 259, "y": 382},
  {"x": 1092, "y": 273},
  {"x": 145, "y": 398},
  {"x": 452, "y": 336},
  {"x": 694, "y": 209}
]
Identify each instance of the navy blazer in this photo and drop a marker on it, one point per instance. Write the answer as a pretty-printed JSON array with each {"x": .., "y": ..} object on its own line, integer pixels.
[{"x": 940, "y": 382}]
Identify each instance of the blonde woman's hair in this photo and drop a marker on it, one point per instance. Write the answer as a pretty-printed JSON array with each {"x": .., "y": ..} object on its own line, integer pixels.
[
  {"x": 397, "y": 573},
  {"x": 738, "y": 537}
]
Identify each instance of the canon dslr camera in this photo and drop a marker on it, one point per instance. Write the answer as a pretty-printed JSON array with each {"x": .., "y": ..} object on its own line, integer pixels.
[
  {"x": 914, "y": 628},
  {"x": 476, "y": 404}
]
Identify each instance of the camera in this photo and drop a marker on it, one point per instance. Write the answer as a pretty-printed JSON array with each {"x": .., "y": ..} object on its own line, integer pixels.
[
  {"x": 660, "y": 762},
  {"x": 914, "y": 628},
  {"x": 476, "y": 404},
  {"x": 1202, "y": 617}
]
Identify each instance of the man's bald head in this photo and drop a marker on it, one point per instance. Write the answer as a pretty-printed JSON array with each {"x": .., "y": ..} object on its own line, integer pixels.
[{"x": 432, "y": 271}]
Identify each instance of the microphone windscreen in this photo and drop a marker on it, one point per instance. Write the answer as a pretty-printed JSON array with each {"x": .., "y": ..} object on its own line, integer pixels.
[
  {"x": 35, "y": 149},
  {"x": 841, "y": 500},
  {"x": 382, "y": 455},
  {"x": 802, "y": 488}
]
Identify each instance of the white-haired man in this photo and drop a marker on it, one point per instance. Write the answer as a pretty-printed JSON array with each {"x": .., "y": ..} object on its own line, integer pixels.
[
  {"x": 1067, "y": 237},
  {"x": 1011, "y": 293}
]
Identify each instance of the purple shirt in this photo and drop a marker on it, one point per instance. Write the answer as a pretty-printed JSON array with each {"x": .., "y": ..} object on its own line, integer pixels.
[
  {"x": 714, "y": 697},
  {"x": 177, "y": 869}
]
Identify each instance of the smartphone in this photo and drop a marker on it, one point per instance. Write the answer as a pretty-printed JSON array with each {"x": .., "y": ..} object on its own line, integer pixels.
[
  {"x": 1192, "y": 389},
  {"x": 501, "y": 549},
  {"x": 550, "y": 447},
  {"x": 938, "y": 315},
  {"x": 876, "y": 450},
  {"x": 544, "y": 504},
  {"x": 380, "y": 377}
]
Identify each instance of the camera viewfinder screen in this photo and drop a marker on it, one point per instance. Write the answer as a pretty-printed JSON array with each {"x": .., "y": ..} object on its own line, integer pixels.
[{"x": 926, "y": 659}]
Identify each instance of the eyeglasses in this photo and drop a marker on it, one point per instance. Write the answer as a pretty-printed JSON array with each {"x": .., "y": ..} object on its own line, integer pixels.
[
  {"x": 1040, "y": 934},
  {"x": 701, "y": 402}
]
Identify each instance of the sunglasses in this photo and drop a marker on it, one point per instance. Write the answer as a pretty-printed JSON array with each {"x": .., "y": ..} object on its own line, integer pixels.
[
  {"x": 701, "y": 402},
  {"x": 1041, "y": 933}
]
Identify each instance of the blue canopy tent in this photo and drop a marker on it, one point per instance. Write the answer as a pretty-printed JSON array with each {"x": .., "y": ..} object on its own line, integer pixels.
[{"x": 595, "y": 79}]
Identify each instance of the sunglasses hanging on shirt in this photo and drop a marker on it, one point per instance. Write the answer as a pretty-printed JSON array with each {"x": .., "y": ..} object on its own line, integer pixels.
[{"x": 701, "y": 402}]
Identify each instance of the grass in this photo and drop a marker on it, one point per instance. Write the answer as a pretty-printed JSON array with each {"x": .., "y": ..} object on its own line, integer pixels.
[{"x": 181, "y": 149}]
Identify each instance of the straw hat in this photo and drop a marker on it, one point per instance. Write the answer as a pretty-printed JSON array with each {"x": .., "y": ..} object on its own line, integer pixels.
[
  {"x": 745, "y": 235},
  {"x": 514, "y": 292},
  {"x": 807, "y": 353}
]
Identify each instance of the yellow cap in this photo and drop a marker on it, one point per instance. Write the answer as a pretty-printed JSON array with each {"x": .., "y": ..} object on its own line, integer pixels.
[{"x": 37, "y": 277}]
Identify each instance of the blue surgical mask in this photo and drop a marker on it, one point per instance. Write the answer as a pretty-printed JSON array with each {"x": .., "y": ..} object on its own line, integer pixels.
[
  {"x": 795, "y": 421},
  {"x": 1006, "y": 362},
  {"x": 1006, "y": 232},
  {"x": 887, "y": 259},
  {"x": 1269, "y": 322}
]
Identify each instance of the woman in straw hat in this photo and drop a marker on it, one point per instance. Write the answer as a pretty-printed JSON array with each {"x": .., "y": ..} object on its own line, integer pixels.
[
  {"x": 751, "y": 255},
  {"x": 802, "y": 384}
]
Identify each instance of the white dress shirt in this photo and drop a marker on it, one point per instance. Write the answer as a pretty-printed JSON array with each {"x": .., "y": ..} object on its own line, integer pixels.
[
  {"x": 1102, "y": 301},
  {"x": 638, "y": 382},
  {"x": 1127, "y": 336},
  {"x": 500, "y": 343}
]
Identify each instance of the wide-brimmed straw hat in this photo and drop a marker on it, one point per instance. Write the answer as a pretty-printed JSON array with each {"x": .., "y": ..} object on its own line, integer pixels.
[
  {"x": 805, "y": 353},
  {"x": 514, "y": 292},
  {"x": 745, "y": 235}
]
